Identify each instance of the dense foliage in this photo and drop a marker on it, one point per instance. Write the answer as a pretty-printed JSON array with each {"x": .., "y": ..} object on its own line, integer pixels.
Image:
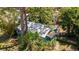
[
  {"x": 32, "y": 42},
  {"x": 41, "y": 15},
  {"x": 69, "y": 21},
  {"x": 8, "y": 18}
]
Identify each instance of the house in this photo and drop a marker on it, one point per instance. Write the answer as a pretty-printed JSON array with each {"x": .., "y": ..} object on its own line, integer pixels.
[{"x": 41, "y": 29}]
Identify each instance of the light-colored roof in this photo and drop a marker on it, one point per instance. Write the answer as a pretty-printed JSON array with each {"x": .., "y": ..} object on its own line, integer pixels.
[{"x": 41, "y": 29}]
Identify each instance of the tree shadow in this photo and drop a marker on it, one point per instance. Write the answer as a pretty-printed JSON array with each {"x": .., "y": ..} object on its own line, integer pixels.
[{"x": 4, "y": 37}]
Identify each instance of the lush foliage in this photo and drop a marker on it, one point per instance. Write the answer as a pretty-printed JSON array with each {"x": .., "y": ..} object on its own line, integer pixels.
[
  {"x": 8, "y": 17},
  {"x": 41, "y": 15},
  {"x": 32, "y": 41},
  {"x": 70, "y": 18},
  {"x": 70, "y": 22}
]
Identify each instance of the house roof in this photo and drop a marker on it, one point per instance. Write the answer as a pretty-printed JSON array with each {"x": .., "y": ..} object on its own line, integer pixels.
[{"x": 41, "y": 29}]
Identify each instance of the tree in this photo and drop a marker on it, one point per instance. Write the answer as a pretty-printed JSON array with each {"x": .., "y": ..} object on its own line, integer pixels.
[
  {"x": 23, "y": 20},
  {"x": 40, "y": 15},
  {"x": 70, "y": 19}
]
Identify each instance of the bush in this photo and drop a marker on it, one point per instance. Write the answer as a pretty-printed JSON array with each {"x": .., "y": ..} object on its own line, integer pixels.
[
  {"x": 32, "y": 42},
  {"x": 8, "y": 17}
]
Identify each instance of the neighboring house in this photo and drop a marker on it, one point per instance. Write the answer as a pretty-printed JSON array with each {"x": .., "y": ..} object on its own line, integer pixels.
[{"x": 41, "y": 29}]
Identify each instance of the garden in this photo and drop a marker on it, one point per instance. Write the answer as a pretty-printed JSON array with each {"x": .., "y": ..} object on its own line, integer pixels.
[{"x": 39, "y": 28}]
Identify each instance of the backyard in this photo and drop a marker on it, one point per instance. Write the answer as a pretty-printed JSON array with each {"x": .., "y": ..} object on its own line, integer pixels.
[{"x": 39, "y": 29}]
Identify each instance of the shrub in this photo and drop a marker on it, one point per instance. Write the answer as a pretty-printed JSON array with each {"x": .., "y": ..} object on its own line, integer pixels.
[{"x": 32, "y": 42}]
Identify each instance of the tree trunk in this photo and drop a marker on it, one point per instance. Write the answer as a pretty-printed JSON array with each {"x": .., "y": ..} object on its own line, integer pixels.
[{"x": 23, "y": 20}]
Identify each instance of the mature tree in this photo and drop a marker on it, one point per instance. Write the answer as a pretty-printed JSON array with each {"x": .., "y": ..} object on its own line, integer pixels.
[{"x": 70, "y": 19}]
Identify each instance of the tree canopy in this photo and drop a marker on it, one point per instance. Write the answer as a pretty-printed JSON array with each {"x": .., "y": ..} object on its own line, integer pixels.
[{"x": 39, "y": 14}]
